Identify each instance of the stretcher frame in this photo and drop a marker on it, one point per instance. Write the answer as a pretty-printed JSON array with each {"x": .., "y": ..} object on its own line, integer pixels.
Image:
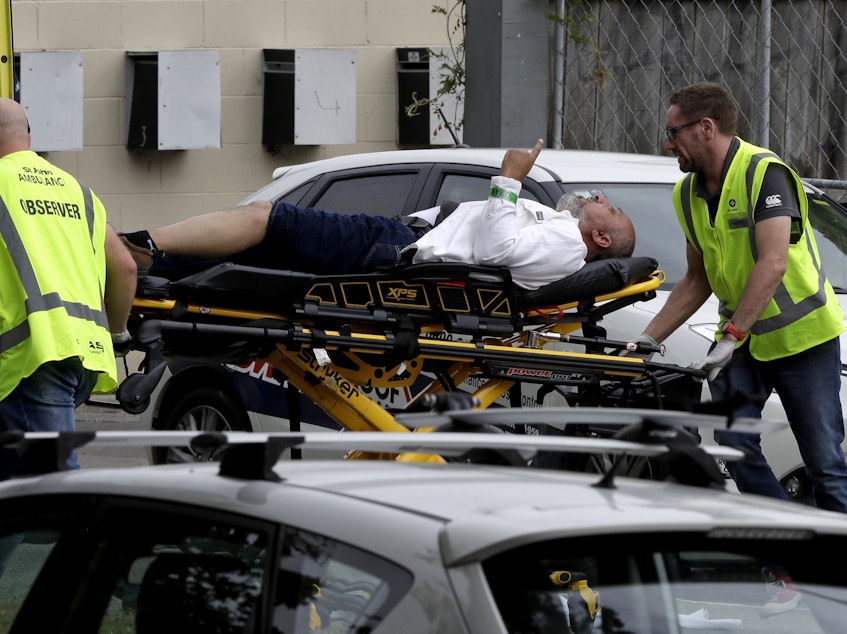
[{"x": 328, "y": 346}]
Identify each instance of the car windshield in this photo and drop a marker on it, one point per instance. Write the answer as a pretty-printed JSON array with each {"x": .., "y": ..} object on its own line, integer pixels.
[
  {"x": 755, "y": 581},
  {"x": 659, "y": 236}
]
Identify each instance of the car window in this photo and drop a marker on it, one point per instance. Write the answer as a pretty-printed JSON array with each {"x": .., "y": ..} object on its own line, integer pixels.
[
  {"x": 107, "y": 565},
  {"x": 377, "y": 195},
  {"x": 23, "y": 554},
  {"x": 466, "y": 187},
  {"x": 327, "y": 586},
  {"x": 296, "y": 195},
  {"x": 645, "y": 583},
  {"x": 650, "y": 206}
]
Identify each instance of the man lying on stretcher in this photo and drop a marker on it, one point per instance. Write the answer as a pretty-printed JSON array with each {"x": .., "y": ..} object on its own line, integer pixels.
[{"x": 539, "y": 245}]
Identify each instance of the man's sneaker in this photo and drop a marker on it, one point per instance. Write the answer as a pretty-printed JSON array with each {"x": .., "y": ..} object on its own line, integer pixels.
[{"x": 784, "y": 596}]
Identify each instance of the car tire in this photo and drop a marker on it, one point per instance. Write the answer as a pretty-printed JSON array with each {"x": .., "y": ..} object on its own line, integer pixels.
[{"x": 202, "y": 409}]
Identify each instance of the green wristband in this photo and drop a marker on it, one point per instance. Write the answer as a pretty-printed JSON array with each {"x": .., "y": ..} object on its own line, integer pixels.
[{"x": 505, "y": 194}]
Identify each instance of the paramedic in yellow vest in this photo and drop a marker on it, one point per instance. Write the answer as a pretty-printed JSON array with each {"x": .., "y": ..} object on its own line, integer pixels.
[
  {"x": 745, "y": 217},
  {"x": 66, "y": 289}
]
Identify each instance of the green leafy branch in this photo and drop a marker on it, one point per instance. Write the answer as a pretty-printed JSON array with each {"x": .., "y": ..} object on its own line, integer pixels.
[{"x": 451, "y": 65}]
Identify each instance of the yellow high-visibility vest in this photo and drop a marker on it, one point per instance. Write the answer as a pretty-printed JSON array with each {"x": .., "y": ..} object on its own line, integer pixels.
[
  {"x": 52, "y": 272},
  {"x": 804, "y": 311}
]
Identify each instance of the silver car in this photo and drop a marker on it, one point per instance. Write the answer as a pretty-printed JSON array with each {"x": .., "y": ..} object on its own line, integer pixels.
[{"x": 252, "y": 545}]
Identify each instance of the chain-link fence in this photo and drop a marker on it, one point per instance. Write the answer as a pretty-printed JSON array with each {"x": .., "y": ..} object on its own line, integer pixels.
[{"x": 785, "y": 61}]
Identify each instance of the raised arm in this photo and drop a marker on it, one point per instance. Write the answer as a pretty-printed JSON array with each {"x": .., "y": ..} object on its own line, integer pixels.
[{"x": 498, "y": 230}]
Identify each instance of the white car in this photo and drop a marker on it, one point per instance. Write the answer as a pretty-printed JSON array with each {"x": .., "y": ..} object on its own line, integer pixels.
[
  {"x": 251, "y": 545},
  {"x": 250, "y": 397}
]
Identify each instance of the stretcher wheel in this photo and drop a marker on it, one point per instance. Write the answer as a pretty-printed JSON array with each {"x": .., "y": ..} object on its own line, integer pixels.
[{"x": 136, "y": 407}]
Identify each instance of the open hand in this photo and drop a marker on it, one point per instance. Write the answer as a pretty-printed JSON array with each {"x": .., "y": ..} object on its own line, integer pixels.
[{"x": 518, "y": 162}]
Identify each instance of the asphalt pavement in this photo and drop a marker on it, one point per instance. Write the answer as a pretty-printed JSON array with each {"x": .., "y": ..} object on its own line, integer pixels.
[{"x": 104, "y": 414}]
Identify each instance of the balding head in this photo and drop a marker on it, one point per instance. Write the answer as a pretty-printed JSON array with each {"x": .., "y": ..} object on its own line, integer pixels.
[
  {"x": 14, "y": 127},
  {"x": 606, "y": 230}
]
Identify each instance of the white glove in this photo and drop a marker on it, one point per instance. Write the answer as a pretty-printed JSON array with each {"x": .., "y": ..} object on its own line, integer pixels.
[
  {"x": 716, "y": 359},
  {"x": 121, "y": 342},
  {"x": 632, "y": 347}
]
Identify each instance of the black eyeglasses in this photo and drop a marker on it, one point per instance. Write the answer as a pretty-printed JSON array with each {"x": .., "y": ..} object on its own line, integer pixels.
[{"x": 672, "y": 132}]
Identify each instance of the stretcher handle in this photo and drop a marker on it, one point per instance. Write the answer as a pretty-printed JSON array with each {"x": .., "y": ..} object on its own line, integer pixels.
[
  {"x": 696, "y": 373},
  {"x": 638, "y": 347}
]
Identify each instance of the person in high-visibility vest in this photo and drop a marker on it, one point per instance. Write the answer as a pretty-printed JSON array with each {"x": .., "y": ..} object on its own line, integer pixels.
[
  {"x": 66, "y": 290},
  {"x": 745, "y": 216}
]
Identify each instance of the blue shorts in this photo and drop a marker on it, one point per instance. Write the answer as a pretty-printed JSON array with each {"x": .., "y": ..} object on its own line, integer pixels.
[
  {"x": 323, "y": 242},
  {"x": 312, "y": 241}
]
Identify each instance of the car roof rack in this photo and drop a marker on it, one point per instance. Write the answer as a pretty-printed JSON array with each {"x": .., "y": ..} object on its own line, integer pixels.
[
  {"x": 561, "y": 417},
  {"x": 654, "y": 434},
  {"x": 42, "y": 452},
  {"x": 685, "y": 459}
]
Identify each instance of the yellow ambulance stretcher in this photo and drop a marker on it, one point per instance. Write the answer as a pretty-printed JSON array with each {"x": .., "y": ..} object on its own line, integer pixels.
[{"x": 444, "y": 322}]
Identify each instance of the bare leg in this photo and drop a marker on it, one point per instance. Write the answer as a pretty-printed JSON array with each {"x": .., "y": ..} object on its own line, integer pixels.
[
  {"x": 211, "y": 235},
  {"x": 215, "y": 234}
]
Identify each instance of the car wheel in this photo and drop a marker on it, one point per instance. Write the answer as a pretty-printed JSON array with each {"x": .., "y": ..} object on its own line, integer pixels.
[{"x": 204, "y": 409}]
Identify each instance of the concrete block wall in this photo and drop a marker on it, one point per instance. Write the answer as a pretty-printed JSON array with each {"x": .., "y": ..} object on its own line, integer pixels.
[{"x": 143, "y": 188}]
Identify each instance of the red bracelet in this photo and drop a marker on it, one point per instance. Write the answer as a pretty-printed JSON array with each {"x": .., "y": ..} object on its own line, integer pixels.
[{"x": 729, "y": 328}]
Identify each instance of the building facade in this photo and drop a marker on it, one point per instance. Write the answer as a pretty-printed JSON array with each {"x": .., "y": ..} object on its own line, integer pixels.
[{"x": 147, "y": 187}]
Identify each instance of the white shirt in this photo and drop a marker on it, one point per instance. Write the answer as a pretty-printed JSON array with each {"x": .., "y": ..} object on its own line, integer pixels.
[{"x": 539, "y": 245}]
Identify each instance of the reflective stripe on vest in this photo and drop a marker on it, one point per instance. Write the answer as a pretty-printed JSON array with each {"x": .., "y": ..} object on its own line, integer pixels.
[
  {"x": 36, "y": 301},
  {"x": 789, "y": 311}
]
